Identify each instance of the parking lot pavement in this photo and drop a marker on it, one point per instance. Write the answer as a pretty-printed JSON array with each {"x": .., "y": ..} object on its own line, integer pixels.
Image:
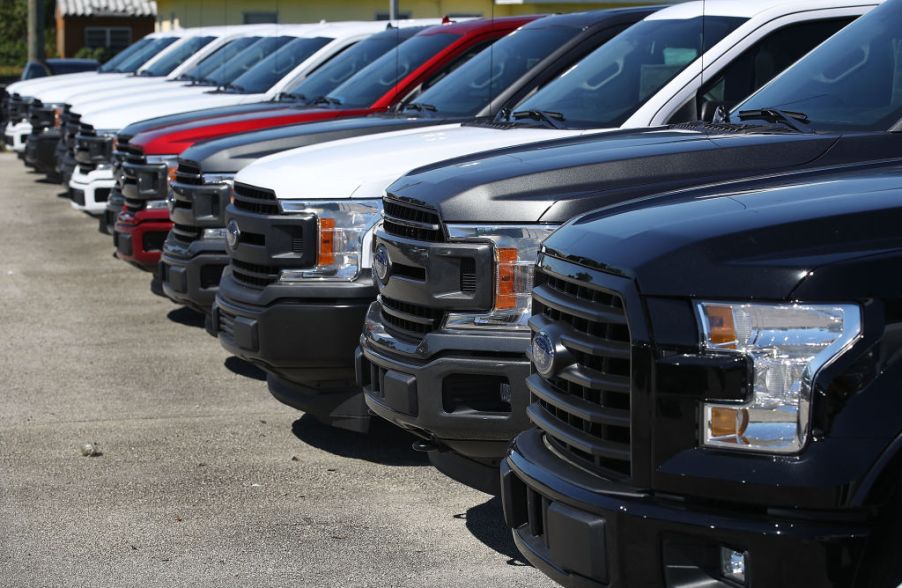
[{"x": 204, "y": 479}]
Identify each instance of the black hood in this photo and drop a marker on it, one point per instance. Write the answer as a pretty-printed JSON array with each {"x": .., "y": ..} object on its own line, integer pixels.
[
  {"x": 556, "y": 180},
  {"x": 231, "y": 153},
  {"x": 808, "y": 237}
]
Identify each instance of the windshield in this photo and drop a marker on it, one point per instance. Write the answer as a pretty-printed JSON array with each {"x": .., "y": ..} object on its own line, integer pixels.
[
  {"x": 852, "y": 81},
  {"x": 142, "y": 56},
  {"x": 265, "y": 74},
  {"x": 126, "y": 53},
  {"x": 246, "y": 60},
  {"x": 341, "y": 68},
  {"x": 165, "y": 64},
  {"x": 472, "y": 86},
  {"x": 615, "y": 80},
  {"x": 220, "y": 56},
  {"x": 380, "y": 77}
]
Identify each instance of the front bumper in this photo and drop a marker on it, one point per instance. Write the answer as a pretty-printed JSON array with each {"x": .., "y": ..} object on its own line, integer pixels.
[
  {"x": 139, "y": 236},
  {"x": 91, "y": 192},
  {"x": 107, "y": 220},
  {"x": 464, "y": 391},
  {"x": 303, "y": 334},
  {"x": 15, "y": 136},
  {"x": 190, "y": 273},
  {"x": 581, "y": 530},
  {"x": 40, "y": 151}
]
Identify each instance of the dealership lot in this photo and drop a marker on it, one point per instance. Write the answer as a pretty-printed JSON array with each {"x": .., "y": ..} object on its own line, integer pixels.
[{"x": 204, "y": 479}]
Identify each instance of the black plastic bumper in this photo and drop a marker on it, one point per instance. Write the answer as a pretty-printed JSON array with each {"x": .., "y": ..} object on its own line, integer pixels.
[
  {"x": 40, "y": 152},
  {"x": 304, "y": 334},
  {"x": 190, "y": 273},
  {"x": 107, "y": 220},
  {"x": 581, "y": 530},
  {"x": 463, "y": 391}
]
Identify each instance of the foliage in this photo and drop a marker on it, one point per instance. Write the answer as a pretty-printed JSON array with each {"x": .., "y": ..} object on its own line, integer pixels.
[{"x": 14, "y": 31}]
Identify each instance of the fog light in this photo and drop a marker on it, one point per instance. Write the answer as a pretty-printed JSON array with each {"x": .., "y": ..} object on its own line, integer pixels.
[{"x": 733, "y": 564}]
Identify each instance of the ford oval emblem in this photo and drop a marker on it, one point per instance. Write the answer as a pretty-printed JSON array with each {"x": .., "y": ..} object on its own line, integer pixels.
[
  {"x": 543, "y": 353},
  {"x": 233, "y": 234},
  {"x": 381, "y": 262}
]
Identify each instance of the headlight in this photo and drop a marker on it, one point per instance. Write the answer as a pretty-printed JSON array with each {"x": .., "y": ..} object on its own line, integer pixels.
[
  {"x": 787, "y": 345},
  {"x": 219, "y": 179},
  {"x": 213, "y": 234},
  {"x": 345, "y": 228},
  {"x": 516, "y": 249},
  {"x": 157, "y": 204},
  {"x": 171, "y": 161}
]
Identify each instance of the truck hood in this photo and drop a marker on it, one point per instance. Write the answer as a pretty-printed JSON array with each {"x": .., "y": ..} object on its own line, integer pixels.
[
  {"x": 85, "y": 100},
  {"x": 786, "y": 240},
  {"x": 362, "y": 167},
  {"x": 177, "y": 138},
  {"x": 26, "y": 87},
  {"x": 232, "y": 153},
  {"x": 553, "y": 182},
  {"x": 126, "y": 113},
  {"x": 183, "y": 117},
  {"x": 59, "y": 94}
]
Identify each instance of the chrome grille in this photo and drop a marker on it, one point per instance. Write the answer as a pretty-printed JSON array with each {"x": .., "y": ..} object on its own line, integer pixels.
[
  {"x": 255, "y": 200},
  {"x": 584, "y": 408},
  {"x": 411, "y": 222}
]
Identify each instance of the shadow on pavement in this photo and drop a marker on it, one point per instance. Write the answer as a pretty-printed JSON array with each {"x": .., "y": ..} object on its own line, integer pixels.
[
  {"x": 186, "y": 316},
  {"x": 486, "y": 522},
  {"x": 243, "y": 368},
  {"x": 384, "y": 444}
]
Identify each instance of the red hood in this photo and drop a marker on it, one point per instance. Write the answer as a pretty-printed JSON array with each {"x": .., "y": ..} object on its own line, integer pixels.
[{"x": 172, "y": 140}]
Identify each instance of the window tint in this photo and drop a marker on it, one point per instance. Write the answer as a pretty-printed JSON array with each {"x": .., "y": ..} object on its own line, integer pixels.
[
  {"x": 276, "y": 66},
  {"x": 852, "y": 81},
  {"x": 218, "y": 58},
  {"x": 612, "y": 82},
  {"x": 760, "y": 63},
  {"x": 380, "y": 77},
  {"x": 177, "y": 56},
  {"x": 34, "y": 70},
  {"x": 124, "y": 55},
  {"x": 339, "y": 69},
  {"x": 246, "y": 60},
  {"x": 139, "y": 58},
  {"x": 473, "y": 85}
]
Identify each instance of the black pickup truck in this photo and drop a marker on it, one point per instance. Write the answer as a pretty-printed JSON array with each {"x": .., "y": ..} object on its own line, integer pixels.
[
  {"x": 442, "y": 353},
  {"x": 195, "y": 254},
  {"x": 715, "y": 389}
]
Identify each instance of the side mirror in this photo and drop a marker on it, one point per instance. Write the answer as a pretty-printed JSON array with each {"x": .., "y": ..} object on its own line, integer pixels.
[{"x": 711, "y": 108}]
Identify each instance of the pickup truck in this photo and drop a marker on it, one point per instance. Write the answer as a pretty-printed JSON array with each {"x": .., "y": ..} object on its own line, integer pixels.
[
  {"x": 713, "y": 394},
  {"x": 500, "y": 76},
  {"x": 443, "y": 347},
  {"x": 272, "y": 299},
  {"x": 429, "y": 55}
]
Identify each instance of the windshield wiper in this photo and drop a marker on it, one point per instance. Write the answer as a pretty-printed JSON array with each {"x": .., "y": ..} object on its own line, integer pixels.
[
  {"x": 234, "y": 88},
  {"x": 788, "y": 117},
  {"x": 553, "y": 119},
  {"x": 290, "y": 97},
  {"x": 421, "y": 107},
  {"x": 327, "y": 100}
]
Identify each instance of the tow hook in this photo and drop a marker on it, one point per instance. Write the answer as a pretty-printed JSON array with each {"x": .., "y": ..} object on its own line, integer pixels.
[{"x": 425, "y": 445}]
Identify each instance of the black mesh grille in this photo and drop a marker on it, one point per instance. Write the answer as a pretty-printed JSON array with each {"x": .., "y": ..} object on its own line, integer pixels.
[
  {"x": 255, "y": 200},
  {"x": 409, "y": 320},
  {"x": 254, "y": 275},
  {"x": 226, "y": 324},
  {"x": 411, "y": 222},
  {"x": 584, "y": 407}
]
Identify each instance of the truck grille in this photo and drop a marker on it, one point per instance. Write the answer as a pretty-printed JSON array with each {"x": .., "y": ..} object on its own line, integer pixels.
[
  {"x": 188, "y": 173},
  {"x": 254, "y": 275},
  {"x": 185, "y": 233},
  {"x": 584, "y": 408},
  {"x": 411, "y": 222},
  {"x": 409, "y": 320},
  {"x": 255, "y": 200}
]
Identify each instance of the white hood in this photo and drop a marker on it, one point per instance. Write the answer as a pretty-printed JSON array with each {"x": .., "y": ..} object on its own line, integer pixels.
[
  {"x": 110, "y": 97},
  {"x": 362, "y": 167},
  {"x": 105, "y": 83},
  {"x": 77, "y": 80},
  {"x": 122, "y": 115}
]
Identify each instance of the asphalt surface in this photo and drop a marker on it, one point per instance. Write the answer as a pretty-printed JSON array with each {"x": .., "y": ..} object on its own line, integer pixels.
[{"x": 204, "y": 478}]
